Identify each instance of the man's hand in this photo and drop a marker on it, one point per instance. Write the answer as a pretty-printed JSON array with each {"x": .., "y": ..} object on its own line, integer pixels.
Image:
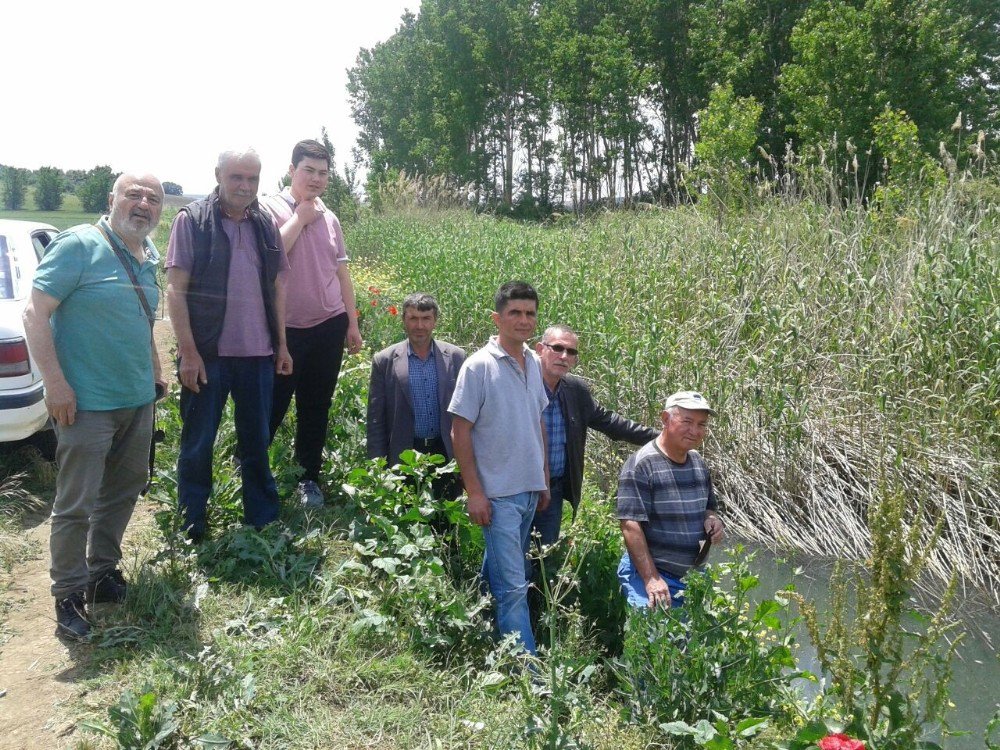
[
  {"x": 714, "y": 529},
  {"x": 658, "y": 593},
  {"x": 282, "y": 360},
  {"x": 192, "y": 372},
  {"x": 353, "y": 338},
  {"x": 479, "y": 509},
  {"x": 543, "y": 501},
  {"x": 309, "y": 211},
  {"x": 60, "y": 400}
]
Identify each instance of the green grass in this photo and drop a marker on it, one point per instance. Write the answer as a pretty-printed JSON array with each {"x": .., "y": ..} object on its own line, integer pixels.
[{"x": 69, "y": 215}]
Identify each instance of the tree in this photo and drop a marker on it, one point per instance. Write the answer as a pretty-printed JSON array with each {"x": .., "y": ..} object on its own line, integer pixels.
[
  {"x": 49, "y": 189},
  {"x": 338, "y": 196},
  {"x": 851, "y": 61},
  {"x": 727, "y": 134},
  {"x": 13, "y": 185},
  {"x": 172, "y": 188},
  {"x": 94, "y": 191}
]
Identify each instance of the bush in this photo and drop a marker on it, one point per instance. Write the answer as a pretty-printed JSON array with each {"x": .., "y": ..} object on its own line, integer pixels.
[
  {"x": 717, "y": 659},
  {"x": 888, "y": 682},
  {"x": 398, "y": 578},
  {"x": 49, "y": 189},
  {"x": 14, "y": 184},
  {"x": 96, "y": 188}
]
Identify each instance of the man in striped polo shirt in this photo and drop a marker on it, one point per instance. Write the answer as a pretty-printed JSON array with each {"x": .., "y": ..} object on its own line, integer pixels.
[{"x": 666, "y": 506}]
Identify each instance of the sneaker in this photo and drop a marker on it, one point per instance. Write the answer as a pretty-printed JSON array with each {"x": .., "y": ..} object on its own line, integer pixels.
[
  {"x": 71, "y": 617},
  {"x": 110, "y": 587},
  {"x": 310, "y": 495}
]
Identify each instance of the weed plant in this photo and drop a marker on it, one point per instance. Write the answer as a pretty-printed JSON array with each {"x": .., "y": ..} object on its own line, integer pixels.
[
  {"x": 888, "y": 664},
  {"x": 717, "y": 667}
]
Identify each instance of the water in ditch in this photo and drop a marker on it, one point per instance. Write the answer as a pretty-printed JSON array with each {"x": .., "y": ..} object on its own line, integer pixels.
[{"x": 975, "y": 685}]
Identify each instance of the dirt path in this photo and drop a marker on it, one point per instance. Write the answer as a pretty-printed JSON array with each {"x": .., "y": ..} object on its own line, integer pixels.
[{"x": 39, "y": 673}]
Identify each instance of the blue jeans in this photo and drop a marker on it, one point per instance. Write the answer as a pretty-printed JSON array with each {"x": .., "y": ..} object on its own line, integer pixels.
[
  {"x": 635, "y": 589},
  {"x": 250, "y": 380},
  {"x": 548, "y": 522},
  {"x": 507, "y": 539}
]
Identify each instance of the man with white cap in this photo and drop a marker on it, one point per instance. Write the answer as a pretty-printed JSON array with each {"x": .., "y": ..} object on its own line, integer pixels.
[{"x": 666, "y": 506}]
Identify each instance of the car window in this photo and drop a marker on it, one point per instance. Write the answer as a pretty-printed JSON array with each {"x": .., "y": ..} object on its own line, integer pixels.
[
  {"x": 6, "y": 272},
  {"x": 41, "y": 240}
]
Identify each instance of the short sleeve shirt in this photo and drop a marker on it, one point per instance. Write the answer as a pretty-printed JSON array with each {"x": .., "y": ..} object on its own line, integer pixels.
[
  {"x": 100, "y": 329},
  {"x": 314, "y": 293},
  {"x": 504, "y": 404},
  {"x": 669, "y": 501},
  {"x": 245, "y": 332}
]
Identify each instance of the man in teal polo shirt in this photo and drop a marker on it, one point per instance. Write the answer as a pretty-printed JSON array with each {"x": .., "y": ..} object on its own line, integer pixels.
[{"x": 89, "y": 329}]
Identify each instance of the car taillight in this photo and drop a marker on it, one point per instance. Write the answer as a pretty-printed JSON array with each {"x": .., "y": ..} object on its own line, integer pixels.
[{"x": 14, "y": 358}]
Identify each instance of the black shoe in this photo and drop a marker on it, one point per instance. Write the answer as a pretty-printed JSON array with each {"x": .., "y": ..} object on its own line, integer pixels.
[
  {"x": 110, "y": 587},
  {"x": 71, "y": 617}
]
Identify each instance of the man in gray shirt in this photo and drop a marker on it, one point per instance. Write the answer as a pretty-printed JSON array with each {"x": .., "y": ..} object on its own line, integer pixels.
[{"x": 499, "y": 440}]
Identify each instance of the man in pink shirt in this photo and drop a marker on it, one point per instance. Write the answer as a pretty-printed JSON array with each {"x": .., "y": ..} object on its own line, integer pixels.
[{"x": 321, "y": 313}]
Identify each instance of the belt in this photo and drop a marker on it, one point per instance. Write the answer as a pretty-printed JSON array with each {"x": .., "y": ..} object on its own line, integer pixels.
[{"x": 424, "y": 443}]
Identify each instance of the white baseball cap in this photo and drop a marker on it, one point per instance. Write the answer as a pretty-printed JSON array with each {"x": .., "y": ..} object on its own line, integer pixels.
[{"x": 689, "y": 400}]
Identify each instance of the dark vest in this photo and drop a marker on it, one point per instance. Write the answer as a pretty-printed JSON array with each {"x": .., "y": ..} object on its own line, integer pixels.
[{"x": 207, "y": 288}]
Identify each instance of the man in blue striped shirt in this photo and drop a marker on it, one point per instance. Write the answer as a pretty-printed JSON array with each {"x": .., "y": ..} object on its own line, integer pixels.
[{"x": 666, "y": 506}]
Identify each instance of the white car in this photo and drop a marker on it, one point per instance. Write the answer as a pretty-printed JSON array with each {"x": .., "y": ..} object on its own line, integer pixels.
[{"x": 22, "y": 404}]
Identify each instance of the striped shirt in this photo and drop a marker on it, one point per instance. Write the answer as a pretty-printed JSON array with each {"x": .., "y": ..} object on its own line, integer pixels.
[{"x": 669, "y": 501}]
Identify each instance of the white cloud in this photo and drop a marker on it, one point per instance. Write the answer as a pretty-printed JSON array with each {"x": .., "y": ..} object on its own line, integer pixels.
[{"x": 165, "y": 87}]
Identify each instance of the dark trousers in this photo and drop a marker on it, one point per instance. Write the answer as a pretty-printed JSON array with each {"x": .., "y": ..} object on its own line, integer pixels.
[
  {"x": 446, "y": 487},
  {"x": 250, "y": 381},
  {"x": 316, "y": 356}
]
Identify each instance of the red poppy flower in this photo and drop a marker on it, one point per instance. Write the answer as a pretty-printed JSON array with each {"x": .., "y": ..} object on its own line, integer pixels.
[
  {"x": 374, "y": 303},
  {"x": 373, "y": 290},
  {"x": 392, "y": 310},
  {"x": 840, "y": 742},
  {"x": 357, "y": 312}
]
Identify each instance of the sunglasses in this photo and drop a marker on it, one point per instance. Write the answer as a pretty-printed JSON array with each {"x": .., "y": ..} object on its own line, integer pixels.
[{"x": 559, "y": 349}]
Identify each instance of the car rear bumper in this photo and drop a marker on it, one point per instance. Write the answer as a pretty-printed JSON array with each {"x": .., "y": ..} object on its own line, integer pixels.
[{"x": 22, "y": 412}]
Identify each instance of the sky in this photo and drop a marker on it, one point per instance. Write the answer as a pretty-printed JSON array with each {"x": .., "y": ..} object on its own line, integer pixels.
[{"x": 164, "y": 88}]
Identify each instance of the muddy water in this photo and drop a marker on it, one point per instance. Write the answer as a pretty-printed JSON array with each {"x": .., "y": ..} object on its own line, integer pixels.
[{"x": 975, "y": 685}]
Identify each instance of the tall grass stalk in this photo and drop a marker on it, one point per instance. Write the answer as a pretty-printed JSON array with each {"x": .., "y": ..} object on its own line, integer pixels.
[{"x": 841, "y": 345}]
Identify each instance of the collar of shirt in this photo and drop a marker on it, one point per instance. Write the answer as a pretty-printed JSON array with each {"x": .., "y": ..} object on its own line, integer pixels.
[
  {"x": 550, "y": 393},
  {"x": 411, "y": 353},
  {"x": 494, "y": 348},
  {"x": 286, "y": 195}
]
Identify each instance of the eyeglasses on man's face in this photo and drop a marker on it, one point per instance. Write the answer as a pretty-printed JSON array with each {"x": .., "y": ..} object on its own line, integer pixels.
[{"x": 560, "y": 349}]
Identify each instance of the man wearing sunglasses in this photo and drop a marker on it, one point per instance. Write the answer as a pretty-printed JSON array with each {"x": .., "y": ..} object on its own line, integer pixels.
[
  {"x": 666, "y": 506},
  {"x": 571, "y": 411}
]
